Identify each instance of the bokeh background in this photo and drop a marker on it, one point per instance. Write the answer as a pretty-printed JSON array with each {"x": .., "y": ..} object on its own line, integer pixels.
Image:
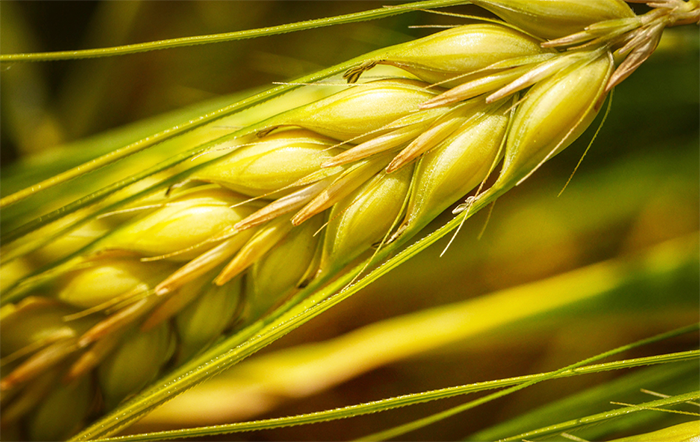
[{"x": 633, "y": 206}]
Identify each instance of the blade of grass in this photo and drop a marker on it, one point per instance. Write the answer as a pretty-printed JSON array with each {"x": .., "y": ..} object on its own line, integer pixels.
[
  {"x": 406, "y": 428},
  {"x": 673, "y": 379},
  {"x": 600, "y": 417},
  {"x": 371, "y": 14},
  {"x": 400, "y": 401}
]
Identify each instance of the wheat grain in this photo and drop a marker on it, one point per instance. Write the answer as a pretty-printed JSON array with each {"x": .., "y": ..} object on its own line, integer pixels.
[{"x": 553, "y": 19}]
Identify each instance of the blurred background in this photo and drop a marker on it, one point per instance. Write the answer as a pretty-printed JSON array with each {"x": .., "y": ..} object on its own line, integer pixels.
[{"x": 626, "y": 226}]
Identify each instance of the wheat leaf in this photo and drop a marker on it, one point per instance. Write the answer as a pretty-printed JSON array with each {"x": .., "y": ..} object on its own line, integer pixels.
[
  {"x": 411, "y": 426},
  {"x": 400, "y": 401}
]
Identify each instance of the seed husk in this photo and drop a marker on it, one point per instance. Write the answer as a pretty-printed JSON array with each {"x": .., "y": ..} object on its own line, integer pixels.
[
  {"x": 135, "y": 363},
  {"x": 176, "y": 301},
  {"x": 109, "y": 278},
  {"x": 477, "y": 86},
  {"x": 62, "y": 412},
  {"x": 18, "y": 403},
  {"x": 38, "y": 363},
  {"x": 538, "y": 73},
  {"x": 364, "y": 218},
  {"x": 264, "y": 240},
  {"x": 443, "y": 56},
  {"x": 434, "y": 135},
  {"x": 456, "y": 166},
  {"x": 38, "y": 320},
  {"x": 359, "y": 110},
  {"x": 284, "y": 205},
  {"x": 554, "y": 19},
  {"x": 342, "y": 186},
  {"x": 271, "y": 163},
  {"x": 204, "y": 319},
  {"x": 204, "y": 263},
  {"x": 277, "y": 274},
  {"x": 551, "y": 116},
  {"x": 186, "y": 222},
  {"x": 92, "y": 357}
]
